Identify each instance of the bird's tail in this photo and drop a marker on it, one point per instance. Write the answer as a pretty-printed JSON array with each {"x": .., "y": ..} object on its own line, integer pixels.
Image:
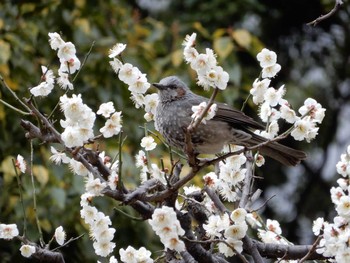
[{"x": 281, "y": 153}]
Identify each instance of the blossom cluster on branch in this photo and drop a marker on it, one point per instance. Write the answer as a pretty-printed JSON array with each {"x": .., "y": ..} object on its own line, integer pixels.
[{"x": 163, "y": 197}]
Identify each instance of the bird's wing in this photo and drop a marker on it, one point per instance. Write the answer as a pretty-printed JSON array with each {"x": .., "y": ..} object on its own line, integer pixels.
[{"x": 235, "y": 118}]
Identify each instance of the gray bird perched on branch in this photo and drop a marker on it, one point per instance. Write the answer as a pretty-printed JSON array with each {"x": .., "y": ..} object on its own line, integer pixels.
[{"x": 228, "y": 126}]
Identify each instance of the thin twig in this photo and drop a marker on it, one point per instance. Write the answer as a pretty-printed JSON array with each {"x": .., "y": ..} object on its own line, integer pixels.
[
  {"x": 192, "y": 128},
  {"x": 42, "y": 243},
  {"x": 68, "y": 241},
  {"x": 337, "y": 5},
  {"x": 19, "y": 182},
  {"x": 129, "y": 216},
  {"x": 15, "y": 96},
  {"x": 84, "y": 61},
  {"x": 311, "y": 250}
]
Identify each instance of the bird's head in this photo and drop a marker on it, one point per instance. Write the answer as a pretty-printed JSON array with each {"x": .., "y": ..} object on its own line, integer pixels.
[{"x": 171, "y": 88}]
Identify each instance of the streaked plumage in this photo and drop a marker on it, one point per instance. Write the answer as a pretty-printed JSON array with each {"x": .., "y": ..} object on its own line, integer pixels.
[{"x": 229, "y": 126}]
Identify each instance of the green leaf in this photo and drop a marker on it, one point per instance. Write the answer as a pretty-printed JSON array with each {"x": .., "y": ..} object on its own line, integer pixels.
[
  {"x": 223, "y": 46},
  {"x": 242, "y": 38}
]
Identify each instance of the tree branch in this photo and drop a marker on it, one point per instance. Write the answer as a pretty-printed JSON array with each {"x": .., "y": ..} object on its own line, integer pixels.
[
  {"x": 337, "y": 5},
  {"x": 287, "y": 251}
]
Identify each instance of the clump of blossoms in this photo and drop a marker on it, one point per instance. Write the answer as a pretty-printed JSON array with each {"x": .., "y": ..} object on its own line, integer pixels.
[
  {"x": 335, "y": 236},
  {"x": 274, "y": 107},
  {"x": 137, "y": 82},
  {"x": 230, "y": 229},
  {"x": 99, "y": 224},
  {"x": 69, "y": 64},
  {"x": 230, "y": 177},
  {"x": 131, "y": 255},
  {"x": 79, "y": 122},
  {"x": 197, "y": 111},
  {"x": 165, "y": 224},
  {"x": 205, "y": 64},
  {"x": 113, "y": 124}
]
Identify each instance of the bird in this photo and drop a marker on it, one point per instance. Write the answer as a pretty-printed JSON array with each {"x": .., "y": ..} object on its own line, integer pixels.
[{"x": 228, "y": 126}]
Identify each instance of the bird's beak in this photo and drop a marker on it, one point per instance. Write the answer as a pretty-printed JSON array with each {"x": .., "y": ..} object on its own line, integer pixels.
[{"x": 158, "y": 86}]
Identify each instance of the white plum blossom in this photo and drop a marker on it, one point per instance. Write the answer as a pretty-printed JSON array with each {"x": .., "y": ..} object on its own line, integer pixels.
[
  {"x": 46, "y": 86},
  {"x": 103, "y": 248},
  {"x": 343, "y": 166},
  {"x": 157, "y": 173},
  {"x": 191, "y": 189},
  {"x": 259, "y": 89},
  {"x": 27, "y": 250},
  {"x": 60, "y": 235},
  {"x": 128, "y": 73},
  {"x": 318, "y": 226},
  {"x": 112, "y": 126},
  {"x": 238, "y": 215},
  {"x": 267, "y": 58},
  {"x": 198, "y": 110},
  {"x": 227, "y": 251},
  {"x": 190, "y": 41},
  {"x": 78, "y": 168},
  {"x": 148, "y": 143},
  {"x": 151, "y": 102},
  {"x": 141, "y": 85},
  {"x": 287, "y": 113},
  {"x": 259, "y": 160},
  {"x": 216, "y": 225},
  {"x": 113, "y": 180},
  {"x": 55, "y": 41},
  {"x": 274, "y": 226},
  {"x": 116, "y": 65},
  {"x": 313, "y": 109},
  {"x": 21, "y": 163},
  {"x": 63, "y": 81},
  {"x": 8, "y": 231},
  {"x": 273, "y": 96},
  {"x": 94, "y": 185},
  {"x": 190, "y": 54},
  {"x": 236, "y": 231},
  {"x": 131, "y": 255},
  {"x": 58, "y": 157},
  {"x": 343, "y": 207},
  {"x": 270, "y": 72},
  {"x": 167, "y": 227},
  {"x": 304, "y": 129},
  {"x": 66, "y": 51},
  {"x": 106, "y": 109},
  {"x": 211, "y": 179},
  {"x": 69, "y": 66},
  {"x": 88, "y": 213},
  {"x": 116, "y": 50},
  {"x": 112, "y": 259}
]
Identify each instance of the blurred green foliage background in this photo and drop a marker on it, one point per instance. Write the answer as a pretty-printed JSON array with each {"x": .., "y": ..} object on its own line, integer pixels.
[{"x": 315, "y": 62}]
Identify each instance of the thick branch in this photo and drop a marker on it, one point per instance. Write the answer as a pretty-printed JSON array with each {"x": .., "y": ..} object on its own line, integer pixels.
[
  {"x": 34, "y": 132},
  {"x": 287, "y": 251},
  {"x": 43, "y": 254}
]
